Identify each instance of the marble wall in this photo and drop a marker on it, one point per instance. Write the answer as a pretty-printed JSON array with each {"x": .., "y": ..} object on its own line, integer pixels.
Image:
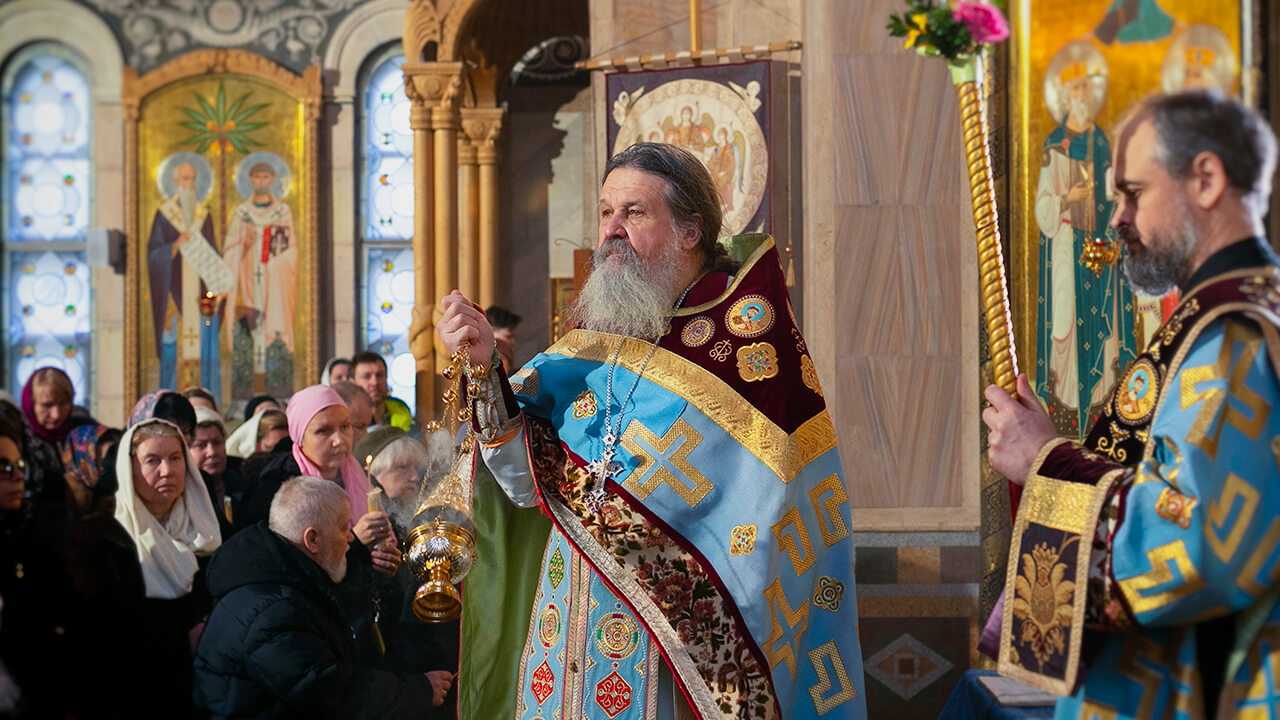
[{"x": 892, "y": 320}]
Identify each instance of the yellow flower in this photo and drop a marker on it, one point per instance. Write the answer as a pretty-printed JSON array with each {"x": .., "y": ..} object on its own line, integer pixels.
[{"x": 913, "y": 34}]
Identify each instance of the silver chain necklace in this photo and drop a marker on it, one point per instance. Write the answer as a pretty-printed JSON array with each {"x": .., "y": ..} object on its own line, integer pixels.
[{"x": 605, "y": 468}]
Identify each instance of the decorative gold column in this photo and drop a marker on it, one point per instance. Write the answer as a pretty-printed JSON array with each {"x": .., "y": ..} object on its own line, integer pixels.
[
  {"x": 444, "y": 133},
  {"x": 483, "y": 126},
  {"x": 468, "y": 216},
  {"x": 429, "y": 86}
]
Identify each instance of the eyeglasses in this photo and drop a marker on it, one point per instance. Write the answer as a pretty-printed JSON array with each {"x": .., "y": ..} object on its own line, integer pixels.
[{"x": 8, "y": 466}]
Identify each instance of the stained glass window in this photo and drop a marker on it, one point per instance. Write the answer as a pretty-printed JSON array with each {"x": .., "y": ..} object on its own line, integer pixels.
[
  {"x": 388, "y": 300},
  {"x": 388, "y": 155},
  {"x": 386, "y": 221},
  {"x": 47, "y": 194}
]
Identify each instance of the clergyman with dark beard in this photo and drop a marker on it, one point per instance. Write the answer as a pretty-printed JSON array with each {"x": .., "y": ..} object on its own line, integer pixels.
[
  {"x": 679, "y": 443},
  {"x": 1158, "y": 538}
]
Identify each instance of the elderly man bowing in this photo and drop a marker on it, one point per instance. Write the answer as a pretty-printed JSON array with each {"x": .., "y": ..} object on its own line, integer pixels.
[
  {"x": 679, "y": 442},
  {"x": 1150, "y": 553},
  {"x": 278, "y": 643}
]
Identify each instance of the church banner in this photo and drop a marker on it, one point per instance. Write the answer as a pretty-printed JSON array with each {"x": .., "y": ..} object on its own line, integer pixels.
[
  {"x": 1075, "y": 68},
  {"x": 221, "y": 202},
  {"x": 721, "y": 113}
]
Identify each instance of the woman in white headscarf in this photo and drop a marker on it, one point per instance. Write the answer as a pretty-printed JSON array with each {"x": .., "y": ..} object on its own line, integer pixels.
[{"x": 164, "y": 508}]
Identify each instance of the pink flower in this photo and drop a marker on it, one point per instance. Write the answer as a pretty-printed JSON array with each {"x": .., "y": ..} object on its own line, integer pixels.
[{"x": 985, "y": 22}]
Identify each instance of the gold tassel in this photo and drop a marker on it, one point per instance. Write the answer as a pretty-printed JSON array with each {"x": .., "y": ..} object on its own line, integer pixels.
[{"x": 791, "y": 268}]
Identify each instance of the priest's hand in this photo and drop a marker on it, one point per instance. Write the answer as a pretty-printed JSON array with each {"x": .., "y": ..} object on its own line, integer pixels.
[
  {"x": 464, "y": 321},
  {"x": 1019, "y": 428}
]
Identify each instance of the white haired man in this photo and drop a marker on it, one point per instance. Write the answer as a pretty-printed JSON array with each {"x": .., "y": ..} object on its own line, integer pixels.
[{"x": 278, "y": 643}]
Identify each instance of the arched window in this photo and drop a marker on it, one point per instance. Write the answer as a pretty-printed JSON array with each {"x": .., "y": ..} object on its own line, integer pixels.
[
  {"x": 48, "y": 193},
  {"x": 385, "y": 220}
]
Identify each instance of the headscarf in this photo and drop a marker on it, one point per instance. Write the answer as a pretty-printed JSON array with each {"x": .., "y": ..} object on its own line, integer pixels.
[
  {"x": 305, "y": 405},
  {"x": 84, "y": 445},
  {"x": 166, "y": 552},
  {"x": 55, "y": 436},
  {"x": 328, "y": 368},
  {"x": 205, "y": 416},
  {"x": 243, "y": 441},
  {"x": 145, "y": 408},
  {"x": 251, "y": 407}
]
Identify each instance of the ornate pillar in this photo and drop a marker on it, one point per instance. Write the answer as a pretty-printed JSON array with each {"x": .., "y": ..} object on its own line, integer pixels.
[
  {"x": 444, "y": 133},
  {"x": 483, "y": 126},
  {"x": 429, "y": 86},
  {"x": 468, "y": 216}
]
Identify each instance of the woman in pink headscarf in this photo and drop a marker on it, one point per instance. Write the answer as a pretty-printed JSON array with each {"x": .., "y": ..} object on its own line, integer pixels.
[{"x": 320, "y": 427}]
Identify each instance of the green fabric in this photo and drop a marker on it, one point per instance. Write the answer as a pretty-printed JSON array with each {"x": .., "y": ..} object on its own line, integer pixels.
[
  {"x": 497, "y": 599},
  {"x": 740, "y": 247}
]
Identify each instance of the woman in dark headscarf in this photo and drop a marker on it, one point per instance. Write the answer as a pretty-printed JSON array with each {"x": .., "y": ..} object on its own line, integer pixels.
[
  {"x": 47, "y": 408},
  {"x": 89, "y": 459}
]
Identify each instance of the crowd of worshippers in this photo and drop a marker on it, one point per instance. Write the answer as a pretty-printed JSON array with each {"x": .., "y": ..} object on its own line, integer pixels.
[{"x": 169, "y": 569}]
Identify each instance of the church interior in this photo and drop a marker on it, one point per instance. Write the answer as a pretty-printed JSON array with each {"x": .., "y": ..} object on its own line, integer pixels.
[{"x": 341, "y": 165}]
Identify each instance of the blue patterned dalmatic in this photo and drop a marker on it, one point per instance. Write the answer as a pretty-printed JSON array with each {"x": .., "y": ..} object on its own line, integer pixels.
[
  {"x": 1145, "y": 562},
  {"x": 723, "y": 551}
]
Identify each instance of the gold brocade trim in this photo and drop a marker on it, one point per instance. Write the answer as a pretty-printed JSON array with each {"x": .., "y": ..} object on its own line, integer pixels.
[
  {"x": 1062, "y": 506},
  {"x": 786, "y": 455},
  {"x": 1049, "y": 489},
  {"x": 682, "y": 665},
  {"x": 738, "y": 277}
]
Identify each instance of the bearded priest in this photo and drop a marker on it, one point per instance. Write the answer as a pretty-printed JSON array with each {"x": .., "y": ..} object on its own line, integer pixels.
[
  {"x": 1143, "y": 576},
  {"x": 699, "y": 560}
]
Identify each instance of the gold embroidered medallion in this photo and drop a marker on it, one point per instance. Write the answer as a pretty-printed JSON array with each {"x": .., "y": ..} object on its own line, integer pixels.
[
  {"x": 828, "y": 594},
  {"x": 549, "y": 626},
  {"x": 750, "y": 317},
  {"x": 584, "y": 406},
  {"x": 809, "y": 374},
  {"x": 1136, "y": 396},
  {"x": 1175, "y": 507},
  {"x": 617, "y": 636},
  {"x": 758, "y": 361},
  {"x": 742, "y": 540},
  {"x": 698, "y": 332}
]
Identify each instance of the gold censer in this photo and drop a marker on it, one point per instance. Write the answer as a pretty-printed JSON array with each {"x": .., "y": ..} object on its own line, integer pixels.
[{"x": 441, "y": 548}]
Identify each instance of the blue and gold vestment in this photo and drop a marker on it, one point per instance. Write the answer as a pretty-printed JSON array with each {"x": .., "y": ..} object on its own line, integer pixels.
[
  {"x": 723, "y": 551},
  {"x": 1142, "y": 580}
]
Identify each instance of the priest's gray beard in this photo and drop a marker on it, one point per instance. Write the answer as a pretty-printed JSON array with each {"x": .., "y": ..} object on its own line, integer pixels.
[
  {"x": 625, "y": 295},
  {"x": 1166, "y": 259}
]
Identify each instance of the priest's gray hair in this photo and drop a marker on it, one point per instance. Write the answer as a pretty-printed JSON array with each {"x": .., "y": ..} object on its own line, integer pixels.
[
  {"x": 1197, "y": 121},
  {"x": 403, "y": 452},
  {"x": 690, "y": 195},
  {"x": 304, "y": 502}
]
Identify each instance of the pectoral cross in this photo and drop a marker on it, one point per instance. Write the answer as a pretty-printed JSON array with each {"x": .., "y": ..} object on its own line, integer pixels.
[{"x": 602, "y": 470}]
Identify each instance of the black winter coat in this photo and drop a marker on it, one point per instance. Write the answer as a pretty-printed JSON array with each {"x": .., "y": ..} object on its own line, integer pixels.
[{"x": 278, "y": 644}]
